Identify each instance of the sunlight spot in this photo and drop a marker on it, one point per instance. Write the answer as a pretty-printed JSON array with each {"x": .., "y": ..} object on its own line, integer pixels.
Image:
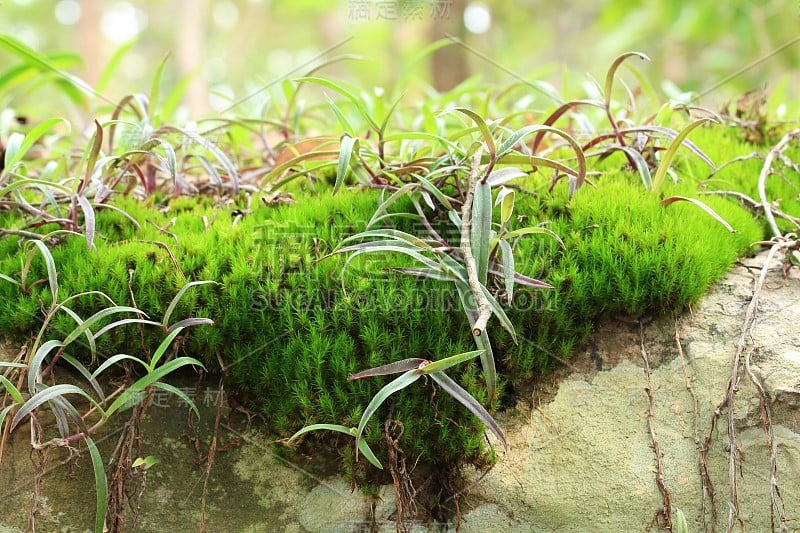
[
  {"x": 226, "y": 15},
  {"x": 68, "y": 12},
  {"x": 220, "y": 97},
  {"x": 477, "y": 18},
  {"x": 122, "y": 22}
]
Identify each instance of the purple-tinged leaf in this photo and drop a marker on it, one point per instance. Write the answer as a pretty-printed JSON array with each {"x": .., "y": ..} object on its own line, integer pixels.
[
  {"x": 456, "y": 391},
  {"x": 392, "y": 368}
]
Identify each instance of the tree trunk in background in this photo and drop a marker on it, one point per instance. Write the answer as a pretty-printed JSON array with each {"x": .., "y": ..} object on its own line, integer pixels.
[
  {"x": 190, "y": 48},
  {"x": 449, "y": 64},
  {"x": 91, "y": 43}
]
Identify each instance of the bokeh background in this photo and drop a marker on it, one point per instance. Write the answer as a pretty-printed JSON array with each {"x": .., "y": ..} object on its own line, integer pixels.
[{"x": 230, "y": 48}]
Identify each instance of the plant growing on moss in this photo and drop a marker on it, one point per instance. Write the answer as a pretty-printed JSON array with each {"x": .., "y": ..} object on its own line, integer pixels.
[{"x": 55, "y": 396}]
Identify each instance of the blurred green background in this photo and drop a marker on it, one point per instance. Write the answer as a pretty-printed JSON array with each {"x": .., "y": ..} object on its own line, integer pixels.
[{"x": 233, "y": 47}]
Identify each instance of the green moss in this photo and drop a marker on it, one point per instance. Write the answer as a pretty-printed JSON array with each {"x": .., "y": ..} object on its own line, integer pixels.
[{"x": 291, "y": 326}]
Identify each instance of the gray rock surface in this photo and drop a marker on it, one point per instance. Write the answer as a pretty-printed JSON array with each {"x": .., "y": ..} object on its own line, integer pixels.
[{"x": 580, "y": 458}]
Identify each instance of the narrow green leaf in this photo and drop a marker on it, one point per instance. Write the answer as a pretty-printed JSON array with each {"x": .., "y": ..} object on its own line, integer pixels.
[
  {"x": 18, "y": 145},
  {"x": 47, "y": 394},
  {"x": 35, "y": 368},
  {"x": 505, "y": 199},
  {"x": 162, "y": 348},
  {"x": 481, "y": 230},
  {"x": 52, "y": 274},
  {"x": 349, "y": 145},
  {"x": 358, "y": 103},
  {"x": 343, "y": 122},
  {"x": 390, "y": 388},
  {"x": 12, "y": 391},
  {"x": 177, "y": 298},
  {"x": 447, "y": 362},
  {"x": 89, "y": 322},
  {"x": 701, "y": 205},
  {"x": 89, "y": 220},
  {"x": 672, "y": 150},
  {"x": 100, "y": 486},
  {"x": 482, "y": 127},
  {"x": 111, "y": 66},
  {"x": 111, "y": 361},
  {"x": 135, "y": 390},
  {"x": 180, "y": 394},
  {"x": 530, "y": 230},
  {"x": 613, "y": 70},
  {"x": 508, "y": 269}
]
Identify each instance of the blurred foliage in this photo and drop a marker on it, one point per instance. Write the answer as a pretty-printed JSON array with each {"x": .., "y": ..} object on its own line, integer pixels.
[{"x": 249, "y": 43}]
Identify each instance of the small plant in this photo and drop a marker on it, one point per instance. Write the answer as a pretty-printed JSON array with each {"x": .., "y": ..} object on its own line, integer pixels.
[{"x": 37, "y": 370}]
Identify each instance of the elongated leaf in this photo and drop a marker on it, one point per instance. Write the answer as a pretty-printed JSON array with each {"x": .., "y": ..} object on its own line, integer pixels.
[
  {"x": 325, "y": 427},
  {"x": 90, "y": 339},
  {"x": 358, "y": 103},
  {"x": 349, "y": 145},
  {"x": 498, "y": 311},
  {"x": 100, "y": 315},
  {"x": 701, "y": 205},
  {"x": 530, "y": 230},
  {"x": 672, "y": 150},
  {"x": 641, "y": 164},
  {"x": 88, "y": 217},
  {"x": 177, "y": 298},
  {"x": 180, "y": 394},
  {"x": 481, "y": 341},
  {"x": 505, "y": 199},
  {"x": 4, "y": 413},
  {"x": 390, "y": 388},
  {"x": 189, "y": 322},
  {"x": 9, "y": 279},
  {"x": 114, "y": 359},
  {"x": 508, "y": 269},
  {"x": 18, "y": 145},
  {"x": 85, "y": 373},
  {"x": 482, "y": 127},
  {"x": 111, "y": 66},
  {"x": 47, "y": 394},
  {"x": 456, "y": 391},
  {"x": 392, "y": 368},
  {"x": 363, "y": 446},
  {"x": 343, "y": 122},
  {"x": 131, "y": 393},
  {"x": 504, "y": 175},
  {"x": 100, "y": 486},
  {"x": 12, "y": 391},
  {"x": 122, "y": 322},
  {"x": 35, "y": 369},
  {"x": 447, "y": 362},
  {"x": 481, "y": 230},
  {"x": 558, "y": 113},
  {"x": 162, "y": 348},
  {"x": 52, "y": 275},
  {"x": 612, "y": 70},
  {"x": 91, "y": 156}
]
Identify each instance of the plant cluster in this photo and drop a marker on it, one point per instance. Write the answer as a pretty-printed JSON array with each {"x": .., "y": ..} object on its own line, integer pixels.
[{"x": 389, "y": 246}]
